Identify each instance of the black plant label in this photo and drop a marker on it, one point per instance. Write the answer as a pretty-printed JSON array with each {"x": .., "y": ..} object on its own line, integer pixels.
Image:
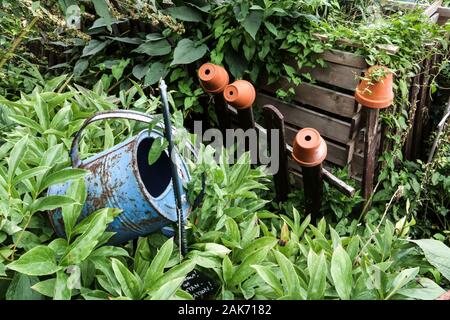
[{"x": 199, "y": 285}]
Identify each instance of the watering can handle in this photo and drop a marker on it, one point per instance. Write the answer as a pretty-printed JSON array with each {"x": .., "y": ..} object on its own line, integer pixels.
[{"x": 102, "y": 115}]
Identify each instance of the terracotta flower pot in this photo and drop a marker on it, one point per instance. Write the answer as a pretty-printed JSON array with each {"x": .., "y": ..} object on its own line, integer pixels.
[
  {"x": 213, "y": 78},
  {"x": 240, "y": 94},
  {"x": 309, "y": 149},
  {"x": 376, "y": 95}
]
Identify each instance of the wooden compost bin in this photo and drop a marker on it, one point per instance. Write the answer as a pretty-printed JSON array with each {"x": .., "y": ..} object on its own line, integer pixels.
[{"x": 328, "y": 105}]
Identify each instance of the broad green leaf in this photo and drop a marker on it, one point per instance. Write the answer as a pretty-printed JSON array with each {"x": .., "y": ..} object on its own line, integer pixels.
[
  {"x": 117, "y": 69},
  {"x": 71, "y": 213},
  {"x": 2, "y": 270},
  {"x": 27, "y": 174},
  {"x": 61, "y": 291},
  {"x": 168, "y": 289},
  {"x": 227, "y": 269},
  {"x": 128, "y": 282},
  {"x": 50, "y": 203},
  {"x": 269, "y": 277},
  {"x": 402, "y": 279},
  {"x": 154, "y": 48},
  {"x": 217, "y": 249},
  {"x": 341, "y": 272},
  {"x": 41, "y": 109},
  {"x": 140, "y": 70},
  {"x": 290, "y": 277},
  {"x": 127, "y": 40},
  {"x": 62, "y": 176},
  {"x": 26, "y": 122},
  {"x": 39, "y": 261},
  {"x": 317, "y": 267},
  {"x": 244, "y": 270},
  {"x": 205, "y": 259},
  {"x": 101, "y": 8},
  {"x": 80, "y": 66},
  {"x": 59, "y": 246},
  {"x": 109, "y": 251},
  {"x": 156, "y": 72},
  {"x": 20, "y": 288},
  {"x": 426, "y": 290},
  {"x": 271, "y": 28},
  {"x": 185, "y": 13},
  {"x": 109, "y": 137},
  {"x": 252, "y": 22},
  {"x": 262, "y": 242},
  {"x": 437, "y": 254},
  {"x": 94, "y": 294},
  {"x": 180, "y": 270},
  {"x": 46, "y": 287},
  {"x": 187, "y": 51},
  {"x": 82, "y": 247},
  {"x": 94, "y": 46},
  {"x": 16, "y": 156},
  {"x": 158, "y": 146},
  {"x": 159, "y": 262},
  {"x": 236, "y": 63},
  {"x": 233, "y": 232},
  {"x": 108, "y": 280}
]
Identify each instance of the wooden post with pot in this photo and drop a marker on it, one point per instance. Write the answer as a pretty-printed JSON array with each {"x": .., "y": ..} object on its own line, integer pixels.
[
  {"x": 274, "y": 120},
  {"x": 373, "y": 94},
  {"x": 214, "y": 79},
  {"x": 309, "y": 150},
  {"x": 241, "y": 94}
]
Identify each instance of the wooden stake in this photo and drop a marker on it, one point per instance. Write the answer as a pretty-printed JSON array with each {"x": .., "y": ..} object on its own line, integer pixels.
[
  {"x": 275, "y": 120},
  {"x": 223, "y": 114},
  {"x": 370, "y": 148}
]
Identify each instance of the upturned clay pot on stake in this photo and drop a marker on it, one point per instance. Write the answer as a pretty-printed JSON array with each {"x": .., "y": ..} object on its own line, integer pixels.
[
  {"x": 241, "y": 94},
  {"x": 374, "y": 92},
  {"x": 309, "y": 150},
  {"x": 213, "y": 79}
]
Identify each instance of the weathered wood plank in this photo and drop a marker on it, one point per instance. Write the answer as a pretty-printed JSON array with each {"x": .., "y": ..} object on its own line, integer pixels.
[
  {"x": 274, "y": 120},
  {"x": 434, "y": 18},
  {"x": 421, "y": 112},
  {"x": 444, "y": 12},
  {"x": 432, "y": 8},
  {"x": 318, "y": 97},
  {"x": 341, "y": 76},
  {"x": 370, "y": 150},
  {"x": 357, "y": 165},
  {"x": 413, "y": 97},
  {"x": 332, "y": 128},
  {"x": 344, "y": 58}
]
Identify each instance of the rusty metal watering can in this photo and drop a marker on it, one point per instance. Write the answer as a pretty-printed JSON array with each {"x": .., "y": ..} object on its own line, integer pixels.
[{"x": 122, "y": 178}]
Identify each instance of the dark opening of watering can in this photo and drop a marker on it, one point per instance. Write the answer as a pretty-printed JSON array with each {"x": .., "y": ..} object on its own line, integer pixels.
[{"x": 156, "y": 177}]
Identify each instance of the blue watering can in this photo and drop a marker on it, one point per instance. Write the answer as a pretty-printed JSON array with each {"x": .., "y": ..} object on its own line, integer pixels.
[{"x": 122, "y": 178}]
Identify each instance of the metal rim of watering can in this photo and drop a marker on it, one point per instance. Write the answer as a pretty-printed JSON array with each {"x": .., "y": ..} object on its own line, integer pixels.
[{"x": 129, "y": 115}]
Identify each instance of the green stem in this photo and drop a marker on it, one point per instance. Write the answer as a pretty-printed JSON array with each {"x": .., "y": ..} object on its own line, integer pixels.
[{"x": 17, "y": 41}]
